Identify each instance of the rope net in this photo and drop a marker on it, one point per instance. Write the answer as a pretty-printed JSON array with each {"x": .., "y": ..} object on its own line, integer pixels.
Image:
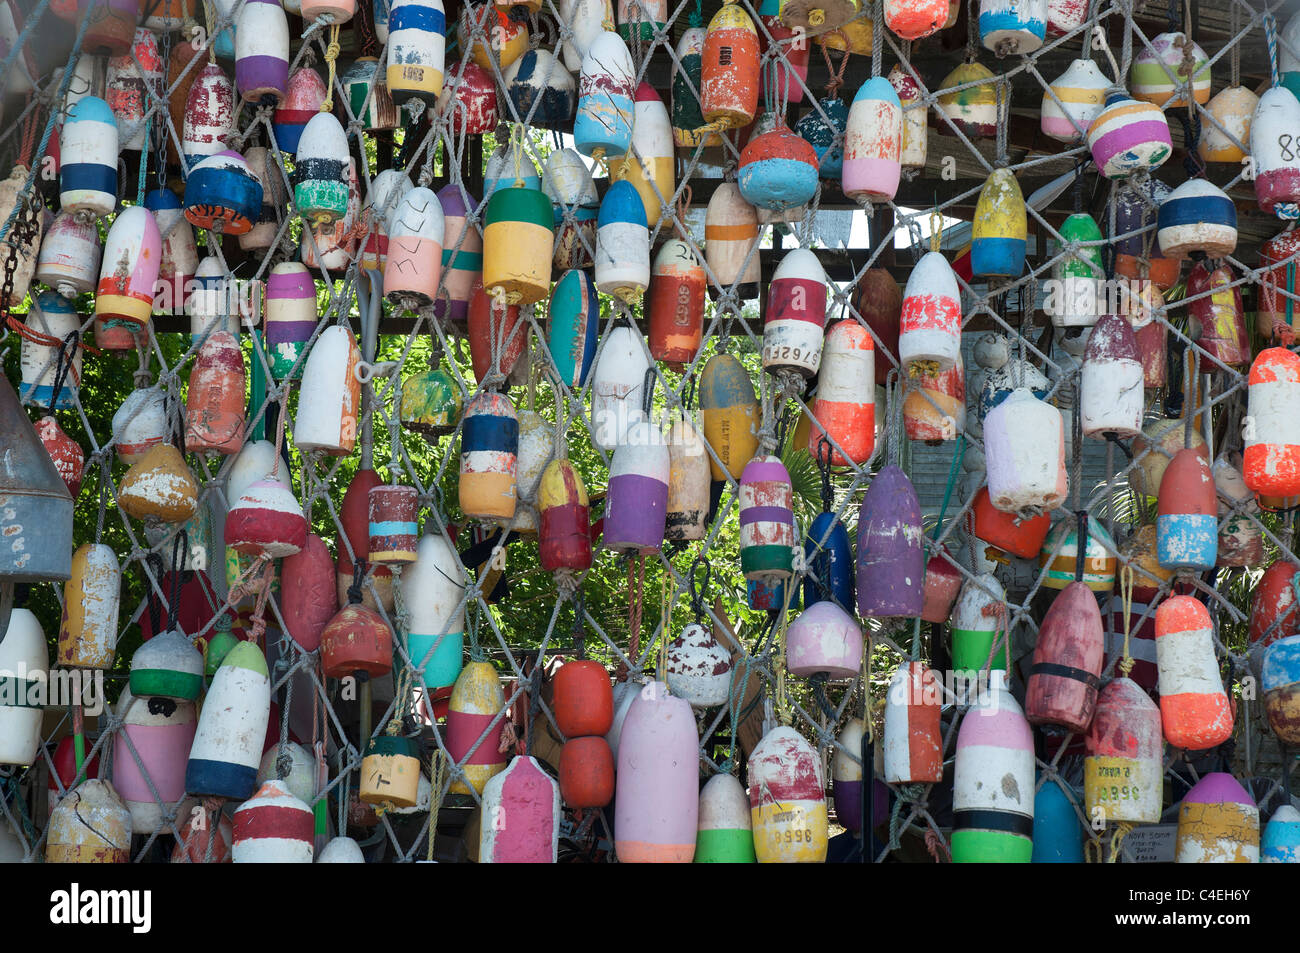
[{"x": 525, "y": 621}]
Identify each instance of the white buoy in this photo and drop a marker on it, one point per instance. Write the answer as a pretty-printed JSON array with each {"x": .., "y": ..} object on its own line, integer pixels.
[
  {"x": 796, "y": 312},
  {"x": 232, "y": 726},
  {"x": 24, "y": 671},
  {"x": 341, "y": 850},
  {"x": 330, "y": 395},
  {"x": 618, "y": 386},
  {"x": 930, "y": 325}
]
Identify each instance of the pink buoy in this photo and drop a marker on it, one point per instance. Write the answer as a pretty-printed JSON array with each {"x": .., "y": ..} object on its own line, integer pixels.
[
  {"x": 824, "y": 639},
  {"x": 521, "y": 816},
  {"x": 656, "y": 807}
]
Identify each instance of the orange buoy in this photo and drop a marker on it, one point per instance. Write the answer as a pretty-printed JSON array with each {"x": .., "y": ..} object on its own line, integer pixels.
[
  {"x": 730, "y": 69},
  {"x": 1066, "y": 672},
  {"x": 214, "y": 405},
  {"x": 1194, "y": 708},
  {"x": 1271, "y": 460},
  {"x": 844, "y": 412},
  {"x": 913, "y": 737}
]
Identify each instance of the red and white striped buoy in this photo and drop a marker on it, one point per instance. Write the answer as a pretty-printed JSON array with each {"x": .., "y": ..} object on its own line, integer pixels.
[
  {"x": 845, "y": 407},
  {"x": 273, "y": 827},
  {"x": 1271, "y": 460},
  {"x": 1194, "y": 708},
  {"x": 930, "y": 328},
  {"x": 913, "y": 738},
  {"x": 796, "y": 312}
]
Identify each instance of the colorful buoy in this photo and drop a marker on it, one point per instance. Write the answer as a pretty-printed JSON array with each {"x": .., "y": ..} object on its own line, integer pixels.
[
  {"x": 787, "y": 799},
  {"x": 913, "y": 736},
  {"x": 656, "y": 805},
  {"x": 1187, "y": 522},
  {"x": 725, "y": 835},
  {"x": 1194, "y": 709},
  {"x": 891, "y": 558},
  {"x": 1123, "y": 773},
  {"x": 228, "y": 743},
  {"x": 1218, "y": 823}
]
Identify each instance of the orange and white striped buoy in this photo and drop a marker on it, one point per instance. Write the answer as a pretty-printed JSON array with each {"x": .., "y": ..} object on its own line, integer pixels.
[
  {"x": 913, "y": 739},
  {"x": 1271, "y": 461},
  {"x": 1194, "y": 708}
]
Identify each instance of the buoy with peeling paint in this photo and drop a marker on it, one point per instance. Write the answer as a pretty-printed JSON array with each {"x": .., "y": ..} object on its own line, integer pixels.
[
  {"x": 330, "y": 395},
  {"x": 88, "y": 629},
  {"x": 890, "y": 557},
  {"x": 1024, "y": 446},
  {"x": 606, "y": 99},
  {"x": 824, "y": 640},
  {"x": 1276, "y": 157},
  {"x": 462, "y": 253},
  {"x": 232, "y": 725},
  {"x": 569, "y": 185},
  {"x": 489, "y": 458},
  {"x": 677, "y": 283},
  {"x": 417, "y": 46},
  {"x": 1128, "y": 136},
  {"x": 653, "y": 173},
  {"x": 167, "y": 666},
  {"x": 1078, "y": 299},
  {"x": 572, "y": 321},
  {"x": 698, "y": 668},
  {"x": 521, "y": 816},
  {"x": 731, "y": 236},
  {"x": 830, "y": 560},
  {"x": 913, "y": 735},
  {"x": 320, "y": 171},
  {"x": 796, "y": 312},
  {"x": 1271, "y": 460},
  {"x": 290, "y": 318},
  {"x": 845, "y": 406},
  {"x": 1008, "y": 28},
  {"x": 1081, "y": 94},
  {"x": 1162, "y": 68},
  {"x": 689, "y": 128},
  {"x": 1065, "y": 674},
  {"x": 159, "y": 732},
  {"x": 978, "y": 625},
  {"x": 222, "y": 194},
  {"x": 930, "y": 326},
  {"x": 1198, "y": 216},
  {"x": 127, "y": 276},
  {"x": 973, "y": 109},
  {"x": 1280, "y": 843},
  {"x": 1194, "y": 709},
  {"x": 787, "y": 799},
  {"x": 618, "y": 386},
  {"x": 998, "y": 233},
  {"x": 730, "y": 410},
  {"x": 729, "y": 69},
  {"x": 69, "y": 257},
  {"x": 688, "y": 481},
  {"x": 209, "y": 115},
  {"x": 518, "y": 244},
  {"x": 1187, "y": 522},
  {"x": 302, "y": 100},
  {"x": 1123, "y": 773},
  {"x": 91, "y": 825},
  {"x": 273, "y": 827},
  {"x": 1218, "y": 823},
  {"x": 1111, "y": 393}
]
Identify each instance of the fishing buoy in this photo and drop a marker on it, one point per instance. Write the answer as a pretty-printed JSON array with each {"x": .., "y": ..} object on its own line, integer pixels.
[
  {"x": 873, "y": 143},
  {"x": 729, "y": 69},
  {"x": 1159, "y": 441},
  {"x": 935, "y": 406},
  {"x": 1217, "y": 311},
  {"x": 978, "y": 624},
  {"x": 521, "y": 816},
  {"x": 998, "y": 234},
  {"x": 583, "y": 699},
  {"x": 228, "y": 743},
  {"x": 1161, "y": 69},
  {"x": 356, "y": 640},
  {"x": 1123, "y": 773},
  {"x": 1136, "y": 211},
  {"x": 303, "y": 97},
  {"x": 320, "y": 184},
  {"x": 1233, "y": 110},
  {"x": 688, "y": 482},
  {"x": 622, "y": 244},
  {"x": 431, "y": 403},
  {"x": 677, "y": 283},
  {"x": 636, "y": 502},
  {"x": 462, "y": 253},
  {"x": 91, "y": 825},
  {"x": 791, "y": 59},
  {"x": 565, "y": 540},
  {"x": 1058, "y": 836},
  {"x": 1008, "y": 28},
  {"x": 586, "y": 19},
  {"x": 341, "y": 850},
  {"x": 1218, "y": 823},
  {"x": 273, "y": 827},
  {"x": 724, "y": 835},
  {"x": 766, "y": 520},
  {"x": 697, "y": 668},
  {"x": 69, "y": 256},
  {"x": 214, "y": 405},
  {"x": 266, "y": 521},
  {"x": 993, "y": 780},
  {"x": 930, "y": 323},
  {"x": 223, "y": 195},
  {"x": 913, "y": 738},
  {"x": 536, "y": 448},
  {"x": 974, "y": 109},
  {"x": 538, "y": 77},
  {"x": 1272, "y": 147},
  {"x": 88, "y": 159},
  {"x": 656, "y": 806},
  {"x": 689, "y": 129},
  {"x": 914, "y": 19},
  {"x": 159, "y": 732},
  {"x": 330, "y": 395},
  {"x": 469, "y": 97},
  {"x": 1075, "y": 99},
  {"x": 489, "y": 458},
  {"x": 416, "y": 230},
  {"x": 476, "y": 710},
  {"x": 88, "y": 628},
  {"x": 493, "y": 37},
  {"x": 167, "y": 666},
  {"x": 606, "y": 99},
  {"x": 432, "y": 589},
  {"x": 914, "y": 147},
  {"x": 796, "y": 312},
  {"x": 1241, "y": 543},
  {"x": 417, "y": 45},
  {"x": 24, "y": 660},
  {"x": 210, "y": 306},
  {"x": 128, "y": 274},
  {"x": 825, "y": 133},
  {"x": 498, "y": 336},
  {"x": 1058, "y": 559},
  {"x": 1279, "y": 675},
  {"x": 847, "y": 774},
  {"x": 618, "y": 387},
  {"x": 730, "y": 412},
  {"x": 891, "y": 558},
  {"x": 778, "y": 171},
  {"x": 1196, "y": 217},
  {"x": 1187, "y": 520},
  {"x": 209, "y": 115},
  {"x": 1024, "y": 445},
  {"x": 390, "y": 772},
  {"x": 829, "y": 558},
  {"x": 51, "y": 315},
  {"x": 731, "y": 241},
  {"x": 159, "y": 486},
  {"x": 65, "y": 453},
  {"x": 1271, "y": 459},
  {"x": 129, "y": 79},
  {"x": 652, "y": 174},
  {"x": 517, "y": 245},
  {"x": 307, "y": 592},
  {"x": 586, "y": 772},
  {"x": 1111, "y": 395},
  {"x": 567, "y": 182},
  {"x": 1128, "y": 136},
  {"x": 1079, "y": 296},
  {"x": 262, "y": 51},
  {"x": 572, "y": 320},
  {"x": 1277, "y": 311},
  {"x": 180, "y": 258},
  {"x": 1281, "y": 839},
  {"x": 1066, "y": 669},
  {"x": 787, "y": 800},
  {"x": 290, "y": 318},
  {"x": 1194, "y": 708},
  {"x": 845, "y": 406}
]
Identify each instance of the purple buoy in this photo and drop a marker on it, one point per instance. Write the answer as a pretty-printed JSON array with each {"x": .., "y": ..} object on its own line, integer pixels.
[{"x": 891, "y": 557}]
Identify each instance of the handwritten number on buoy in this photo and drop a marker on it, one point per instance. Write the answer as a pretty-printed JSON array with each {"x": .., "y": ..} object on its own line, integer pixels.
[{"x": 1284, "y": 142}]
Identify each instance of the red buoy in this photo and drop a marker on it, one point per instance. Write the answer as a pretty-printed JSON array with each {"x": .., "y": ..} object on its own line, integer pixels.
[{"x": 1065, "y": 676}]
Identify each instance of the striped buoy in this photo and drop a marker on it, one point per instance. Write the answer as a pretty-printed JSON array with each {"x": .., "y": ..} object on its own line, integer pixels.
[
  {"x": 262, "y": 51},
  {"x": 778, "y": 171},
  {"x": 1024, "y": 447},
  {"x": 766, "y": 520},
  {"x": 24, "y": 673},
  {"x": 697, "y": 668},
  {"x": 493, "y": 37},
  {"x": 333, "y": 246},
  {"x": 913, "y": 736},
  {"x": 1273, "y": 148},
  {"x": 69, "y": 256},
  {"x": 565, "y": 521},
  {"x": 636, "y": 502},
  {"x": 974, "y": 109},
  {"x": 273, "y": 827},
  {"x": 392, "y": 524},
  {"x": 1277, "y": 310},
  {"x": 571, "y": 327},
  {"x": 618, "y": 386},
  {"x": 677, "y": 283},
  {"x": 787, "y": 799},
  {"x": 1233, "y": 109},
  {"x": 830, "y": 563},
  {"x": 993, "y": 780},
  {"x": 1160, "y": 70},
  {"x": 1008, "y": 27},
  {"x": 1218, "y": 823},
  {"x": 232, "y": 725},
  {"x": 510, "y": 165},
  {"x": 50, "y": 315},
  {"x": 622, "y": 244},
  {"x": 847, "y": 774},
  {"x": 1197, "y": 216},
  {"x": 91, "y": 825},
  {"x": 303, "y": 98},
  {"x": 1075, "y": 99},
  {"x": 417, "y": 48},
  {"x": 214, "y": 404},
  {"x": 915, "y": 118},
  {"x": 1058, "y": 558},
  {"x": 222, "y": 194},
  {"x": 845, "y": 406},
  {"x": 1123, "y": 773},
  {"x": 521, "y": 816},
  {"x": 432, "y": 589},
  {"x": 489, "y": 447},
  {"x": 209, "y": 115},
  {"x": 159, "y": 732},
  {"x": 730, "y": 412},
  {"x": 724, "y": 835},
  {"x": 606, "y": 99},
  {"x": 209, "y": 306},
  {"x": 1281, "y": 840},
  {"x": 1066, "y": 669},
  {"x": 1271, "y": 459},
  {"x": 567, "y": 182},
  {"x": 998, "y": 234},
  {"x": 462, "y": 253},
  {"x": 1111, "y": 396},
  {"x": 1128, "y": 136},
  {"x": 128, "y": 274},
  {"x": 1279, "y": 675},
  {"x": 687, "y": 114},
  {"x": 890, "y": 557},
  {"x": 167, "y": 666},
  {"x": 320, "y": 171},
  {"x": 873, "y": 143},
  {"x": 390, "y": 772},
  {"x": 330, "y": 395},
  {"x": 978, "y": 624},
  {"x": 88, "y": 159},
  {"x": 1194, "y": 708},
  {"x": 656, "y": 803},
  {"x": 518, "y": 243},
  {"x": 1079, "y": 296},
  {"x": 731, "y": 236},
  {"x": 930, "y": 324},
  {"x": 796, "y": 312},
  {"x": 140, "y": 423},
  {"x": 1187, "y": 523},
  {"x": 729, "y": 69},
  {"x": 290, "y": 318},
  {"x": 652, "y": 174},
  {"x": 416, "y": 230}
]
